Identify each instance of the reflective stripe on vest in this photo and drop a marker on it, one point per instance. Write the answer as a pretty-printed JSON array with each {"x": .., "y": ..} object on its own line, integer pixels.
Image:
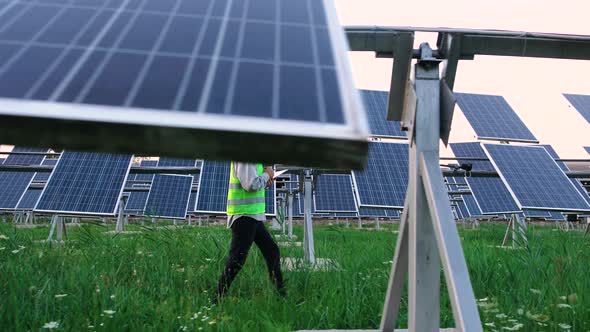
[{"x": 240, "y": 201}]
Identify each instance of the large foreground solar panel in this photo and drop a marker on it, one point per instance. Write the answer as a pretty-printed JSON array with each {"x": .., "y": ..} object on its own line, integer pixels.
[
  {"x": 580, "y": 103},
  {"x": 169, "y": 196},
  {"x": 146, "y": 177},
  {"x": 136, "y": 200},
  {"x": 376, "y": 104},
  {"x": 333, "y": 193},
  {"x": 384, "y": 180},
  {"x": 29, "y": 199},
  {"x": 14, "y": 184},
  {"x": 152, "y": 73},
  {"x": 85, "y": 183},
  {"x": 490, "y": 194},
  {"x": 535, "y": 179},
  {"x": 492, "y": 118},
  {"x": 213, "y": 187},
  {"x": 44, "y": 176}
]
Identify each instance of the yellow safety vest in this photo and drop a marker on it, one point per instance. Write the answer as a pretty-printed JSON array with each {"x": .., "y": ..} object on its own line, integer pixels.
[{"x": 240, "y": 201}]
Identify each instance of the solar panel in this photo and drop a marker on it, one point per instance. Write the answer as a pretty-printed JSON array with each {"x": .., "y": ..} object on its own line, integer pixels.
[
  {"x": 132, "y": 176},
  {"x": 85, "y": 183},
  {"x": 376, "y": 104},
  {"x": 137, "y": 199},
  {"x": 471, "y": 204},
  {"x": 372, "y": 212},
  {"x": 576, "y": 182},
  {"x": 146, "y": 177},
  {"x": 173, "y": 162},
  {"x": 492, "y": 118},
  {"x": 534, "y": 178},
  {"x": 192, "y": 201},
  {"x": 536, "y": 213},
  {"x": 384, "y": 180},
  {"x": 2, "y": 161},
  {"x": 580, "y": 103},
  {"x": 270, "y": 200},
  {"x": 14, "y": 184},
  {"x": 333, "y": 193},
  {"x": 29, "y": 199},
  {"x": 587, "y": 148},
  {"x": 462, "y": 208},
  {"x": 213, "y": 187},
  {"x": 44, "y": 176},
  {"x": 183, "y": 64},
  {"x": 169, "y": 196},
  {"x": 555, "y": 215},
  {"x": 490, "y": 193}
]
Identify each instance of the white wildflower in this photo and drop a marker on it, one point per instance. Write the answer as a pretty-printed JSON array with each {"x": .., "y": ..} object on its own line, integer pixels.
[
  {"x": 520, "y": 311},
  {"x": 501, "y": 316},
  {"x": 21, "y": 247},
  {"x": 90, "y": 326},
  {"x": 2, "y": 248},
  {"x": 212, "y": 322},
  {"x": 59, "y": 296},
  {"x": 563, "y": 298},
  {"x": 565, "y": 326},
  {"x": 112, "y": 297},
  {"x": 535, "y": 291},
  {"x": 490, "y": 324},
  {"x": 15, "y": 251},
  {"x": 516, "y": 327},
  {"x": 109, "y": 312},
  {"x": 3, "y": 237},
  {"x": 485, "y": 299},
  {"x": 208, "y": 259},
  {"x": 563, "y": 305},
  {"x": 51, "y": 325}
]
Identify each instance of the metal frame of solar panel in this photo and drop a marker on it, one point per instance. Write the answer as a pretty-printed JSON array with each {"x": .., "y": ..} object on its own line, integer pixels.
[
  {"x": 334, "y": 193},
  {"x": 576, "y": 182},
  {"x": 534, "y": 178},
  {"x": 44, "y": 176},
  {"x": 190, "y": 71},
  {"x": 490, "y": 193},
  {"x": 581, "y": 103},
  {"x": 85, "y": 183},
  {"x": 384, "y": 181},
  {"x": 492, "y": 118},
  {"x": 169, "y": 196},
  {"x": 15, "y": 184},
  {"x": 376, "y": 104}
]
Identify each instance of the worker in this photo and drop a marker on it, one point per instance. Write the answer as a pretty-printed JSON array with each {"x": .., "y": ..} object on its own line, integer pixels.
[{"x": 245, "y": 217}]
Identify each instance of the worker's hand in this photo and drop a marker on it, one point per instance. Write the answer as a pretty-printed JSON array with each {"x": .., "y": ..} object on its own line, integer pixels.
[{"x": 270, "y": 172}]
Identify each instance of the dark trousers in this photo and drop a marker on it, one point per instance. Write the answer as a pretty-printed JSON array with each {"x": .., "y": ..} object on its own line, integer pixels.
[{"x": 246, "y": 231}]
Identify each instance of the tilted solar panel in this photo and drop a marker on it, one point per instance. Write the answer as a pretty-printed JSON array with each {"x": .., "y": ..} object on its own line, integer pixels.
[
  {"x": 270, "y": 200},
  {"x": 384, "y": 180},
  {"x": 213, "y": 187},
  {"x": 580, "y": 103},
  {"x": 85, "y": 183},
  {"x": 14, "y": 184},
  {"x": 372, "y": 212},
  {"x": 471, "y": 205},
  {"x": 137, "y": 199},
  {"x": 173, "y": 162},
  {"x": 556, "y": 215},
  {"x": 535, "y": 179},
  {"x": 490, "y": 194},
  {"x": 492, "y": 118},
  {"x": 587, "y": 148},
  {"x": 536, "y": 213},
  {"x": 146, "y": 177},
  {"x": 186, "y": 69},
  {"x": 168, "y": 196},
  {"x": 44, "y": 176},
  {"x": 2, "y": 161},
  {"x": 333, "y": 193},
  {"x": 576, "y": 182},
  {"x": 29, "y": 199},
  {"x": 376, "y": 104}
]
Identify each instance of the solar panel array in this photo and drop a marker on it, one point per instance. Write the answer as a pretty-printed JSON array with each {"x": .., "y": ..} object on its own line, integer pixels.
[
  {"x": 29, "y": 199},
  {"x": 169, "y": 196},
  {"x": 85, "y": 183},
  {"x": 14, "y": 184},
  {"x": 490, "y": 193},
  {"x": 492, "y": 118},
  {"x": 580, "y": 103},
  {"x": 576, "y": 182},
  {"x": 333, "y": 193},
  {"x": 146, "y": 177},
  {"x": 535, "y": 179},
  {"x": 213, "y": 187},
  {"x": 376, "y": 104},
  {"x": 44, "y": 176},
  {"x": 384, "y": 180}
]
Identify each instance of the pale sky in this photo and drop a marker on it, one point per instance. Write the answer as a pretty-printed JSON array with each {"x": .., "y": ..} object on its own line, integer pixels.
[{"x": 531, "y": 86}]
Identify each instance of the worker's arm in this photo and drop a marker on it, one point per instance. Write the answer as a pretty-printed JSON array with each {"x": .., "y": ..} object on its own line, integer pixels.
[{"x": 247, "y": 174}]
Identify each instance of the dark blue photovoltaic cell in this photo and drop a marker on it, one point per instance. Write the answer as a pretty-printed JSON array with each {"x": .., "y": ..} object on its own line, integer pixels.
[
  {"x": 536, "y": 213},
  {"x": 372, "y": 212},
  {"x": 535, "y": 179},
  {"x": 462, "y": 208},
  {"x": 172, "y": 162},
  {"x": 29, "y": 199},
  {"x": 472, "y": 206},
  {"x": 270, "y": 200},
  {"x": 213, "y": 187},
  {"x": 84, "y": 182},
  {"x": 192, "y": 201},
  {"x": 555, "y": 215},
  {"x": 563, "y": 166},
  {"x": 169, "y": 196},
  {"x": 137, "y": 199},
  {"x": 157, "y": 55},
  {"x": 14, "y": 184},
  {"x": 44, "y": 176},
  {"x": 384, "y": 180},
  {"x": 492, "y": 117},
  {"x": 1, "y": 161},
  {"x": 333, "y": 193},
  {"x": 587, "y": 148},
  {"x": 491, "y": 194},
  {"x": 376, "y": 103},
  {"x": 580, "y": 103},
  {"x": 146, "y": 177}
]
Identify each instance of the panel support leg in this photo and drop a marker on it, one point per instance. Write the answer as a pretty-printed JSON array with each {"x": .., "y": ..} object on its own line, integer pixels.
[
  {"x": 290, "y": 212},
  {"x": 120, "y": 227},
  {"x": 308, "y": 249}
]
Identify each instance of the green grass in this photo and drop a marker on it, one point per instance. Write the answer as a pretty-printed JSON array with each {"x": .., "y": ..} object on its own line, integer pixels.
[{"x": 162, "y": 279}]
